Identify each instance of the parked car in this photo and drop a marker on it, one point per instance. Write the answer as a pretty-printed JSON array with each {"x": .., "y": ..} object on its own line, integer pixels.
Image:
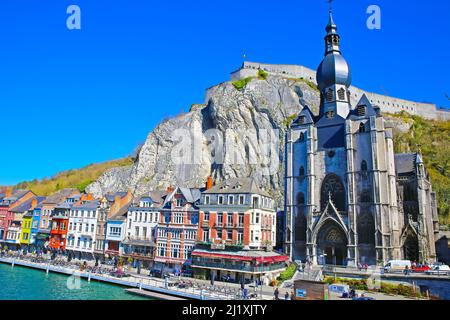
[
  {"x": 156, "y": 273},
  {"x": 420, "y": 269},
  {"x": 439, "y": 270}
]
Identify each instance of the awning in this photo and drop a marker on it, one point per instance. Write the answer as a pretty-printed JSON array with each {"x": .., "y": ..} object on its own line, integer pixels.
[
  {"x": 222, "y": 256},
  {"x": 273, "y": 259},
  {"x": 42, "y": 236}
]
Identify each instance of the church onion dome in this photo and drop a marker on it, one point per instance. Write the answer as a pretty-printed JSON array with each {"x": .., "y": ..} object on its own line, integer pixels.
[{"x": 333, "y": 69}]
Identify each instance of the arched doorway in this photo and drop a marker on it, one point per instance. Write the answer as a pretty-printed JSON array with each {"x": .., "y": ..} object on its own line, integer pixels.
[
  {"x": 332, "y": 244},
  {"x": 411, "y": 247},
  {"x": 332, "y": 186}
]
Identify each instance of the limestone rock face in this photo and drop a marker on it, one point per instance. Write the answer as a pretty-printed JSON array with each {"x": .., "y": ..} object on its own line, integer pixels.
[{"x": 239, "y": 121}]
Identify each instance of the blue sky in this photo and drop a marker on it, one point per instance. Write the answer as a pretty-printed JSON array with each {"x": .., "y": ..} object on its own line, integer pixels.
[{"x": 71, "y": 98}]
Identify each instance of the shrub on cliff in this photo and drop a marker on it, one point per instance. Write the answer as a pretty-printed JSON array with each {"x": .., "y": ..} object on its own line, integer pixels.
[
  {"x": 241, "y": 84},
  {"x": 262, "y": 75}
]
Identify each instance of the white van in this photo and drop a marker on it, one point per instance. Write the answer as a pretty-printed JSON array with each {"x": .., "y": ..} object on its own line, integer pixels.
[{"x": 397, "y": 265}]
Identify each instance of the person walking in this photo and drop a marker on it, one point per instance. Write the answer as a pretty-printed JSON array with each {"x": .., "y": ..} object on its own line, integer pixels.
[
  {"x": 286, "y": 296},
  {"x": 276, "y": 294},
  {"x": 406, "y": 272}
]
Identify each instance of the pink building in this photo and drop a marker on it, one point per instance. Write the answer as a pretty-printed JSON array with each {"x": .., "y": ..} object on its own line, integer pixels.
[{"x": 8, "y": 200}]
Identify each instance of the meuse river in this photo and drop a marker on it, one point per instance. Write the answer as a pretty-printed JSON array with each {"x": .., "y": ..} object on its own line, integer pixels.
[{"x": 20, "y": 283}]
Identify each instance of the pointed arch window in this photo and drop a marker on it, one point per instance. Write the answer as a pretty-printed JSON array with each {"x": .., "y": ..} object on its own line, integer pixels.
[
  {"x": 329, "y": 95},
  {"x": 364, "y": 166},
  {"x": 362, "y": 128},
  {"x": 300, "y": 199},
  {"x": 341, "y": 94},
  {"x": 302, "y": 172},
  {"x": 302, "y": 137}
]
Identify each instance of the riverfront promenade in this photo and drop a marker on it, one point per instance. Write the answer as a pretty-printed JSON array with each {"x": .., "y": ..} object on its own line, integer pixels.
[{"x": 199, "y": 291}]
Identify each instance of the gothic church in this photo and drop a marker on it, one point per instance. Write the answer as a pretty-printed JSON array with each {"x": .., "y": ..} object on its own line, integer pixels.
[{"x": 348, "y": 198}]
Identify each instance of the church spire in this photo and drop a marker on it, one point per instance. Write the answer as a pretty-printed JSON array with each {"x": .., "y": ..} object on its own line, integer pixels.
[
  {"x": 332, "y": 39},
  {"x": 333, "y": 74}
]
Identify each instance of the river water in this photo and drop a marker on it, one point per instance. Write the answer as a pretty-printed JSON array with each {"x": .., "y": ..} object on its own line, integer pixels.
[{"x": 20, "y": 283}]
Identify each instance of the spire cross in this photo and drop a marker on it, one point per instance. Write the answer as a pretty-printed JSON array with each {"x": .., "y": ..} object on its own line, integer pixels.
[{"x": 330, "y": 2}]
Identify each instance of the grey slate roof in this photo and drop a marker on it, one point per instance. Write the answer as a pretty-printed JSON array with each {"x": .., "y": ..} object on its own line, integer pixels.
[
  {"x": 16, "y": 195},
  {"x": 190, "y": 194},
  {"x": 238, "y": 185},
  {"x": 60, "y": 196},
  {"x": 405, "y": 163},
  {"x": 88, "y": 205},
  {"x": 27, "y": 205}
]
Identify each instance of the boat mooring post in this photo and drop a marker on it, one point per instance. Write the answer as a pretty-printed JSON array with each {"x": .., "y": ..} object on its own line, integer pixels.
[
  {"x": 89, "y": 277},
  {"x": 13, "y": 262},
  {"x": 48, "y": 268}
]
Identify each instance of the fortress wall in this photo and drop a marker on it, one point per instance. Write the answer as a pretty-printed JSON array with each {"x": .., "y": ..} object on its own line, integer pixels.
[{"x": 386, "y": 103}]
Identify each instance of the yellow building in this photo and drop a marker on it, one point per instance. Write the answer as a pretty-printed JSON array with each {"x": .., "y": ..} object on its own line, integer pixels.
[{"x": 25, "y": 233}]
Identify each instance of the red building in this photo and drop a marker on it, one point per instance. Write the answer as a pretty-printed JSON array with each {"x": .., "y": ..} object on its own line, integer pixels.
[{"x": 59, "y": 226}]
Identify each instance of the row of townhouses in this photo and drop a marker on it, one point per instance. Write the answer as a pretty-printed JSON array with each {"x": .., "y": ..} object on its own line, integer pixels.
[{"x": 224, "y": 231}]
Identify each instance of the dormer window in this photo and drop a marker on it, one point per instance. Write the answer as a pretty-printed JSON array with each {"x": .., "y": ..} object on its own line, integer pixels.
[
  {"x": 329, "y": 95},
  {"x": 341, "y": 94},
  {"x": 301, "y": 120},
  {"x": 330, "y": 114},
  {"x": 361, "y": 110},
  {"x": 179, "y": 202}
]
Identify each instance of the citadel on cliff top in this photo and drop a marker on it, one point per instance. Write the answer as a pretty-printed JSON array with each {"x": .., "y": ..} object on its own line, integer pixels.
[{"x": 386, "y": 103}]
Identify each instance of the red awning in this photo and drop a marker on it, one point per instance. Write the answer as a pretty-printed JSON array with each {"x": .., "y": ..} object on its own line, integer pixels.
[
  {"x": 241, "y": 258},
  {"x": 221, "y": 256},
  {"x": 280, "y": 258}
]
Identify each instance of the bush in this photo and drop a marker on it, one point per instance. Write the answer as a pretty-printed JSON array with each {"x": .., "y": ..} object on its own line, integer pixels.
[
  {"x": 241, "y": 84},
  {"x": 288, "y": 273},
  {"x": 262, "y": 75}
]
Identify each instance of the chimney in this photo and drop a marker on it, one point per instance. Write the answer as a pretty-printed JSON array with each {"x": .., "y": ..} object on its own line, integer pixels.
[
  {"x": 34, "y": 203},
  {"x": 209, "y": 183},
  {"x": 170, "y": 189},
  {"x": 8, "y": 192}
]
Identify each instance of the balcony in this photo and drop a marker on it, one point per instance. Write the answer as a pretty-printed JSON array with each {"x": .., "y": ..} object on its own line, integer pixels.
[{"x": 205, "y": 224}]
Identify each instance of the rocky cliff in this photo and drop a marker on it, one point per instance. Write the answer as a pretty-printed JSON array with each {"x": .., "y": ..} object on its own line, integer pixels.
[{"x": 234, "y": 111}]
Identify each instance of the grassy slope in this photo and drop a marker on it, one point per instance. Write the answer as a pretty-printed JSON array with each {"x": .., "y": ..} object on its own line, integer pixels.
[
  {"x": 433, "y": 137},
  {"x": 79, "y": 178}
]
